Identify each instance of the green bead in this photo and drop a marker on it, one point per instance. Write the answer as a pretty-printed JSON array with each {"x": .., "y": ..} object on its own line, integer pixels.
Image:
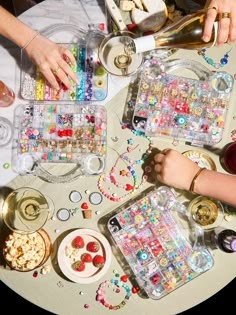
[
  {"x": 100, "y": 71},
  {"x": 210, "y": 61},
  {"x": 6, "y": 165}
]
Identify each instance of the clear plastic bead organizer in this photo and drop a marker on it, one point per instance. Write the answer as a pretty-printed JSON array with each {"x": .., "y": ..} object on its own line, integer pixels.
[
  {"x": 93, "y": 78},
  {"x": 159, "y": 250},
  {"x": 194, "y": 110},
  {"x": 60, "y": 133}
]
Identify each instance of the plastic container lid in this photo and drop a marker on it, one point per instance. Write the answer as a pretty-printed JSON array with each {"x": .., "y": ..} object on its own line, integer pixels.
[{"x": 75, "y": 196}]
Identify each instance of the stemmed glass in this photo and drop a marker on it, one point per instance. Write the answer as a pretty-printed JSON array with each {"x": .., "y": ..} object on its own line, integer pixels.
[
  {"x": 6, "y": 131},
  {"x": 26, "y": 210}
]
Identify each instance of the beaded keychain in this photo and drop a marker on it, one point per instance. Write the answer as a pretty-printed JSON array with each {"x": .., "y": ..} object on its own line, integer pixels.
[{"x": 210, "y": 61}]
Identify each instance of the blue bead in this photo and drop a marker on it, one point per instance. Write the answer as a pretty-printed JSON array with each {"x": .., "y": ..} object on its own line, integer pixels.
[{"x": 224, "y": 61}]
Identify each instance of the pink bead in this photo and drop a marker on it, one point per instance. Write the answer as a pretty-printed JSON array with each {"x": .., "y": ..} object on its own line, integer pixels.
[{"x": 99, "y": 297}]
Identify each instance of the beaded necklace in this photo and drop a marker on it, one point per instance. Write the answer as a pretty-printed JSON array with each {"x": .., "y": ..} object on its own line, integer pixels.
[
  {"x": 130, "y": 164},
  {"x": 210, "y": 61}
]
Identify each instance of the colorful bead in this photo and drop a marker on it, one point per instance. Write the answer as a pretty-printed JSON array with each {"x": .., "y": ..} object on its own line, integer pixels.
[{"x": 210, "y": 61}]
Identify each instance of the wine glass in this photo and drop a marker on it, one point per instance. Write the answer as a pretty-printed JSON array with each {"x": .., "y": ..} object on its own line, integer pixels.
[
  {"x": 6, "y": 131},
  {"x": 206, "y": 212},
  {"x": 26, "y": 210},
  {"x": 113, "y": 56}
]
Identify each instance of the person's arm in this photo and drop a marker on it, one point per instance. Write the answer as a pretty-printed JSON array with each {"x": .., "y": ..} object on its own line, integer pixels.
[
  {"x": 176, "y": 170},
  {"x": 227, "y": 25},
  {"x": 47, "y": 55}
]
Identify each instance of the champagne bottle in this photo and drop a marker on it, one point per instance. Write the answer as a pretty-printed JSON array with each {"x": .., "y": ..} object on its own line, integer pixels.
[
  {"x": 224, "y": 239},
  {"x": 185, "y": 33}
]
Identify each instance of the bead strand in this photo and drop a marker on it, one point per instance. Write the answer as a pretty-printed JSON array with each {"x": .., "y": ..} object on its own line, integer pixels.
[
  {"x": 223, "y": 61},
  {"x": 127, "y": 187}
]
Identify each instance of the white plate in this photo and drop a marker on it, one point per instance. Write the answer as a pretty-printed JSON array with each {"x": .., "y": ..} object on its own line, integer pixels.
[{"x": 91, "y": 273}]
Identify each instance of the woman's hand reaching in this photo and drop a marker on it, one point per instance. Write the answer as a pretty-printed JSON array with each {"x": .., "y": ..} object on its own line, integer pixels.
[{"x": 53, "y": 61}]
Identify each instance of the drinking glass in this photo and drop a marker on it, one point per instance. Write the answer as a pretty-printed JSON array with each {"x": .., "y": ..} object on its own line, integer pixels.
[
  {"x": 228, "y": 158},
  {"x": 206, "y": 212},
  {"x": 26, "y": 210},
  {"x": 113, "y": 56},
  {"x": 7, "y": 96},
  {"x": 6, "y": 131}
]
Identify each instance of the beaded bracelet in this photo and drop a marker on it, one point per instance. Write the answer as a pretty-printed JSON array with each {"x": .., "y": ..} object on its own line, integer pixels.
[
  {"x": 191, "y": 189},
  {"x": 30, "y": 40},
  {"x": 210, "y": 61},
  {"x": 102, "y": 290}
]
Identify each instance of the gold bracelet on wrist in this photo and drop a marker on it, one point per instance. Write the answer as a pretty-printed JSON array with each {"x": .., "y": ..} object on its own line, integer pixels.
[
  {"x": 30, "y": 40},
  {"x": 192, "y": 186}
]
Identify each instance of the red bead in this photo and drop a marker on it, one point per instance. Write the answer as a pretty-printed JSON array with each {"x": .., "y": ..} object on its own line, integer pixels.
[
  {"x": 135, "y": 290},
  {"x": 129, "y": 187},
  {"x": 35, "y": 274},
  {"x": 124, "y": 278},
  {"x": 69, "y": 132},
  {"x": 132, "y": 27},
  {"x": 101, "y": 26}
]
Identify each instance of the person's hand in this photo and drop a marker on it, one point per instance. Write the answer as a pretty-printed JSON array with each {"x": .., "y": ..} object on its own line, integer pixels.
[
  {"x": 52, "y": 60},
  {"x": 226, "y": 11},
  {"x": 174, "y": 169}
]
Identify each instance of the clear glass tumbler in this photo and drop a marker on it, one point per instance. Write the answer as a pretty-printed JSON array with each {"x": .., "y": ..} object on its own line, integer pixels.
[{"x": 7, "y": 96}]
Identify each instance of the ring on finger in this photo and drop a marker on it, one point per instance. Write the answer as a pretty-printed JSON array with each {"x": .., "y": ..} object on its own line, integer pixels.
[
  {"x": 212, "y": 8},
  {"x": 224, "y": 15},
  {"x": 57, "y": 70}
]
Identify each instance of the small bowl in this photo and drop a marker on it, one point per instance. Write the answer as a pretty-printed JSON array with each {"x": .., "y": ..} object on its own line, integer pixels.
[{"x": 26, "y": 252}]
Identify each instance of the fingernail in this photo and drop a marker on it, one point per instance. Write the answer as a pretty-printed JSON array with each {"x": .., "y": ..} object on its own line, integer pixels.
[{"x": 206, "y": 38}]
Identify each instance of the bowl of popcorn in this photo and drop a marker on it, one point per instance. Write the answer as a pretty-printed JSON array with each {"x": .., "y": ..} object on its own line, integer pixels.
[{"x": 26, "y": 252}]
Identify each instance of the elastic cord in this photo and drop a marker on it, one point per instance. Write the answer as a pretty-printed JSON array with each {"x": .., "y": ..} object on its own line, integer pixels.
[{"x": 29, "y": 41}]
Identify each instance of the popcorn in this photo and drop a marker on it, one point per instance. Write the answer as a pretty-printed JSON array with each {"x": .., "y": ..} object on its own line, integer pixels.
[
  {"x": 24, "y": 252},
  {"x": 46, "y": 269}
]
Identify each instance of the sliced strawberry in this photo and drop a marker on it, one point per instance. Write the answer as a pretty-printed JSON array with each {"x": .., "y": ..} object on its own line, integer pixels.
[
  {"x": 98, "y": 261},
  {"x": 86, "y": 257},
  {"x": 78, "y": 242},
  {"x": 79, "y": 265},
  {"x": 93, "y": 247}
]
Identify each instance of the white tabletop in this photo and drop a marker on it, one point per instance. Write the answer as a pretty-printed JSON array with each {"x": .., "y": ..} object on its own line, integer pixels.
[{"x": 53, "y": 291}]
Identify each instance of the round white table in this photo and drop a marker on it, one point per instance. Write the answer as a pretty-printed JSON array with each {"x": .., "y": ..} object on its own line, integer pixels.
[{"x": 53, "y": 292}]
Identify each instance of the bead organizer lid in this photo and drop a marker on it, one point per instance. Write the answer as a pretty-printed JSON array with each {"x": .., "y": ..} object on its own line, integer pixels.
[
  {"x": 60, "y": 133},
  {"x": 155, "y": 245},
  {"x": 179, "y": 107},
  {"x": 93, "y": 78}
]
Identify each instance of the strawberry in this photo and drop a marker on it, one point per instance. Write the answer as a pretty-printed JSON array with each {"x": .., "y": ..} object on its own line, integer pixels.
[
  {"x": 79, "y": 265},
  {"x": 98, "y": 261},
  {"x": 93, "y": 247},
  {"x": 78, "y": 242},
  {"x": 86, "y": 257}
]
